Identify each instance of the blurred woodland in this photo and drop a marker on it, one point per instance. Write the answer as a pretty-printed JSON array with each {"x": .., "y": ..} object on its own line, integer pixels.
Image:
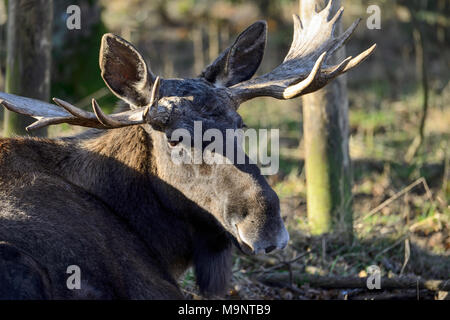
[{"x": 399, "y": 117}]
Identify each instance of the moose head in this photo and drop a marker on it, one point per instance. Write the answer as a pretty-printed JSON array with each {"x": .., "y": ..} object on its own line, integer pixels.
[{"x": 235, "y": 197}]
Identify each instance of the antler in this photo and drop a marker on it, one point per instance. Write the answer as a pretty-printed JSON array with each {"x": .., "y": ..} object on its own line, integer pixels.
[
  {"x": 304, "y": 69},
  {"x": 48, "y": 114}
]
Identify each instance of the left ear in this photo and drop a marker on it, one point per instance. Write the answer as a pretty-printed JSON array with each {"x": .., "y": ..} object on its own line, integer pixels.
[
  {"x": 124, "y": 71},
  {"x": 240, "y": 61}
]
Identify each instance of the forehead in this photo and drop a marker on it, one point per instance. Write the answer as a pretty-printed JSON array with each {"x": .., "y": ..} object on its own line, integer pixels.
[
  {"x": 198, "y": 91},
  {"x": 197, "y": 100}
]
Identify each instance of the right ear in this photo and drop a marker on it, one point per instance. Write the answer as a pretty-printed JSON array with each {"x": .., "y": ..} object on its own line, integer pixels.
[
  {"x": 240, "y": 61},
  {"x": 124, "y": 71}
]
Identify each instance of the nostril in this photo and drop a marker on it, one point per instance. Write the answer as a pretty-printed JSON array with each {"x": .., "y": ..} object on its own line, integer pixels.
[{"x": 270, "y": 249}]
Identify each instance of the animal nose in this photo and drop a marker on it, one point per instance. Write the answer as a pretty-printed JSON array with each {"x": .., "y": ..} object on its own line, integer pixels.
[{"x": 263, "y": 245}]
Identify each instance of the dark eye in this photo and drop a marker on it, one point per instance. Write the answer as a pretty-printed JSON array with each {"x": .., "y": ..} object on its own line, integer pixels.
[
  {"x": 242, "y": 125},
  {"x": 174, "y": 142}
]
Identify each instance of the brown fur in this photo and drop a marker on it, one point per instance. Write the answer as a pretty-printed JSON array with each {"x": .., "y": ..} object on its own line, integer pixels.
[
  {"x": 114, "y": 203},
  {"x": 75, "y": 226}
]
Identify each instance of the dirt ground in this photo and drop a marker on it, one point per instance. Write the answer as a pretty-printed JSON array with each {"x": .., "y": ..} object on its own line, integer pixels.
[{"x": 402, "y": 238}]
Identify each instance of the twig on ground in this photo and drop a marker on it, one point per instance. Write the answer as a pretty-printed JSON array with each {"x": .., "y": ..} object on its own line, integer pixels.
[
  {"x": 324, "y": 249},
  {"x": 281, "y": 280},
  {"x": 404, "y": 295},
  {"x": 417, "y": 289},
  {"x": 437, "y": 216},
  {"x": 402, "y": 192},
  {"x": 194, "y": 295},
  {"x": 285, "y": 263},
  {"x": 392, "y": 246},
  {"x": 407, "y": 255}
]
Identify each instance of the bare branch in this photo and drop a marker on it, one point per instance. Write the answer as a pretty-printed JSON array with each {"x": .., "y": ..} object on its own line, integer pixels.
[{"x": 277, "y": 279}]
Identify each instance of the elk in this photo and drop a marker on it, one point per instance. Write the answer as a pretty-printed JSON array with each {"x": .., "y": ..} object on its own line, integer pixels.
[{"x": 112, "y": 202}]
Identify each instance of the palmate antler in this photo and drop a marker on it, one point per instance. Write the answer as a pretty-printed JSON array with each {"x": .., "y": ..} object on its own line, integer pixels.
[
  {"x": 304, "y": 69},
  {"x": 64, "y": 112}
]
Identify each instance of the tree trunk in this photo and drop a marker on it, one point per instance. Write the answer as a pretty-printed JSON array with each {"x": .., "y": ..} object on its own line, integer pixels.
[
  {"x": 327, "y": 159},
  {"x": 213, "y": 40},
  {"x": 3, "y": 19},
  {"x": 28, "y": 57},
  {"x": 422, "y": 73},
  {"x": 197, "y": 41}
]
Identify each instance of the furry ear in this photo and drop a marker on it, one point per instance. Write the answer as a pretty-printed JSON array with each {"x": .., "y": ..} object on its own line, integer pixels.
[
  {"x": 240, "y": 61},
  {"x": 124, "y": 71},
  {"x": 212, "y": 263}
]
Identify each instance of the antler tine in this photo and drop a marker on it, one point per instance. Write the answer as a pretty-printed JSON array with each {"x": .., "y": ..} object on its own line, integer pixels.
[
  {"x": 77, "y": 112},
  {"x": 296, "y": 89},
  {"x": 344, "y": 37},
  {"x": 99, "y": 119},
  {"x": 304, "y": 69},
  {"x": 103, "y": 118},
  {"x": 337, "y": 17},
  {"x": 360, "y": 58},
  {"x": 44, "y": 123},
  {"x": 111, "y": 121},
  {"x": 336, "y": 70},
  {"x": 153, "y": 98},
  {"x": 327, "y": 10}
]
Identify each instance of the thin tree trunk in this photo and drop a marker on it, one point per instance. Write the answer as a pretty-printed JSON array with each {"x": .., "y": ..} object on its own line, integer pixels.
[
  {"x": 224, "y": 32},
  {"x": 168, "y": 61},
  {"x": 421, "y": 71},
  {"x": 3, "y": 17},
  {"x": 213, "y": 40},
  {"x": 327, "y": 159},
  {"x": 28, "y": 57},
  {"x": 199, "y": 58}
]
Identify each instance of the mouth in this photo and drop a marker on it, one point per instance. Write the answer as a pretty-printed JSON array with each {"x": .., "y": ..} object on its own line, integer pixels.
[{"x": 245, "y": 248}]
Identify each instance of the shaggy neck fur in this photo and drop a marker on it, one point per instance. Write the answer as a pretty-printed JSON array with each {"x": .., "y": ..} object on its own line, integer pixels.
[{"x": 117, "y": 166}]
